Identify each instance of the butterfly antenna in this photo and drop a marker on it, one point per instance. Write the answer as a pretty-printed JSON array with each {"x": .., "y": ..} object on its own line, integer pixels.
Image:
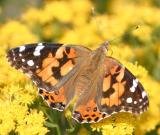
[
  {"x": 100, "y": 29},
  {"x": 111, "y": 51},
  {"x": 98, "y": 23},
  {"x": 108, "y": 46},
  {"x": 117, "y": 39}
]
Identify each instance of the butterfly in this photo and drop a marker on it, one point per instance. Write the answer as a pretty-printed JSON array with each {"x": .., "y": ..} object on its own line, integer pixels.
[{"x": 101, "y": 84}]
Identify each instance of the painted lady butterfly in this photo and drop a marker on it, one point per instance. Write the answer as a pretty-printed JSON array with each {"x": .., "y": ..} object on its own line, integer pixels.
[{"x": 101, "y": 84}]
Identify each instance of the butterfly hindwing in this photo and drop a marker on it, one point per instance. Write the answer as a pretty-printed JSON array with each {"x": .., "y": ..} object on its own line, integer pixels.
[{"x": 55, "y": 99}]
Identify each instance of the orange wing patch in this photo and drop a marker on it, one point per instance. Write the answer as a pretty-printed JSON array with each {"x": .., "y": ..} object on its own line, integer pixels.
[
  {"x": 120, "y": 75},
  {"x": 88, "y": 113},
  {"x": 66, "y": 67},
  {"x": 48, "y": 60},
  {"x": 71, "y": 53},
  {"x": 52, "y": 66},
  {"x": 55, "y": 99},
  {"x": 106, "y": 83},
  {"x": 59, "y": 53},
  {"x": 46, "y": 73},
  {"x": 113, "y": 87},
  {"x": 52, "y": 81}
]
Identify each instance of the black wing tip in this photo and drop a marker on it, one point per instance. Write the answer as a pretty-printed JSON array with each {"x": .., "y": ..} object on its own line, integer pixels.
[{"x": 11, "y": 58}]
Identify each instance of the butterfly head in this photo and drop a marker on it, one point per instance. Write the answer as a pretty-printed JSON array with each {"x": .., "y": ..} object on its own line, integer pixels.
[{"x": 105, "y": 45}]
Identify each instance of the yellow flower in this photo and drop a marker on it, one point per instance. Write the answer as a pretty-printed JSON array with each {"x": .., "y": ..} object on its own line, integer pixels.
[
  {"x": 148, "y": 12},
  {"x": 31, "y": 16},
  {"x": 14, "y": 33},
  {"x": 83, "y": 35},
  {"x": 81, "y": 11},
  {"x": 116, "y": 52},
  {"x": 48, "y": 32},
  {"x": 59, "y": 10},
  {"x": 151, "y": 118},
  {"x": 11, "y": 113},
  {"x": 143, "y": 33},
  {"x": 122, "y": 123},
  {"x": 32, "y": 124}
]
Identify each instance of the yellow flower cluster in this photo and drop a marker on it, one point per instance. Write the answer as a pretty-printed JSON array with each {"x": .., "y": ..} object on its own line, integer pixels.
[
  {"x": 16, "y": 94},
  {"x": 118, "y": 124},
  {"x": 14, "y": 32},
  {"x": 70, "y": 21}
]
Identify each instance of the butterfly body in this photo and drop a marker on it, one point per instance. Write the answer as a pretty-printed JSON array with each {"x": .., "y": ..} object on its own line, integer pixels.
[{"x": 102, "y": 85}]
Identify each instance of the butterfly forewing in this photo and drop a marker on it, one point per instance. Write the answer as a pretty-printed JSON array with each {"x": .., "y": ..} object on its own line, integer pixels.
[
  {"x": 50, "y": 66},
  {"x": 34, "y": 60}
]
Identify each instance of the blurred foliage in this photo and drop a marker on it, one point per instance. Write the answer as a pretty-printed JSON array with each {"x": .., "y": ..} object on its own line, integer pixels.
[{"x": 133, "y": 28}]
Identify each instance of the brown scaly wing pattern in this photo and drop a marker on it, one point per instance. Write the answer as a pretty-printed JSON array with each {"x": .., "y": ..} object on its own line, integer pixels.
[{"x": 50, "y": 66}]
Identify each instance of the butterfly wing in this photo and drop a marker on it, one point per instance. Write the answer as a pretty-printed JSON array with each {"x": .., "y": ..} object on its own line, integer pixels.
[
  {"x": 121, "y": 90},
  {"x": 118, "y": 91},
  {"x": 50, "y": 66}
]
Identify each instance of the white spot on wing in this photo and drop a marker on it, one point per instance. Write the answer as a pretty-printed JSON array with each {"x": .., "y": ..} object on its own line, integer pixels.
[
  {"x": 38, "y": 49},
  {"x": 135, "y": 102},
  {"x": 135, "y": 83},
  {"x": 134, "y": 86},
  {"x": 30, "y": 62},
  {"x": 144, "y": 94},
  {"x": 36, "y": 53},
  {"x": 22, "y": 48},
  {"x": 129, "y": 100},
  {"x": 23, "y": 60},
  {"x": 132, "y": 89}
]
